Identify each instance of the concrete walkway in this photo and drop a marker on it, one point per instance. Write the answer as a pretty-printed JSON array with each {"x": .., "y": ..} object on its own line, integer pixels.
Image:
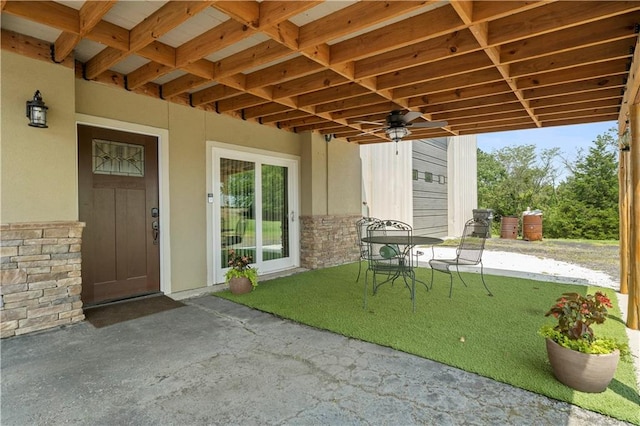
[{"x": 215, "y": 362}]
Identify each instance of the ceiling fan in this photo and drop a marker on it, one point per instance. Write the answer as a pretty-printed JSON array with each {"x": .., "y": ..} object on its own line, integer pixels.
[{"x": 396, "y": 124}]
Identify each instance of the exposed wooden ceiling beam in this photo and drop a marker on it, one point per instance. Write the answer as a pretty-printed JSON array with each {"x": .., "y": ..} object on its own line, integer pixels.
[
  {"x": 266, "y": 109},
  {"x": 274, "y": 12},
  {"x": 631, "y": 90},
  {"x": 599, "y": 69},
  {"x": 293, "y": 68},
  {"x": 476, "y": 64},
  {"x": 89, "y": 16},
  {"x": 446, "y": 46},
  {"x": 353, "y": 18},
  {"x": 217, "y": 38},
  {"x": 158, "y": 23},
  {"x": 480, "y": 31},
  {"x": 49, "y": 13},
  {"x": 536, "y": 21},
  {"x": 440, "y": 21}
]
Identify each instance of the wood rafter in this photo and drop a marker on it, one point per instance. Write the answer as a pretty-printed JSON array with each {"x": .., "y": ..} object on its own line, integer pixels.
[{"x": 314, "y": 65}]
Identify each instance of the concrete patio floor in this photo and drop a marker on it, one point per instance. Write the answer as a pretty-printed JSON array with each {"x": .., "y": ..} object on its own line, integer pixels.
[{"x": 215, "y": 362}]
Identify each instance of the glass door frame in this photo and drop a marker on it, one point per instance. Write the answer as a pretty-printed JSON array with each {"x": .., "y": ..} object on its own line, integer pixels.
[{"x": 216, "y": 270}]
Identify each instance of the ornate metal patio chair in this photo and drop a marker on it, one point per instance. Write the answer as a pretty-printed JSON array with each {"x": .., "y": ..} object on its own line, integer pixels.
[
  {"x": 392, "y": 259},
  {"x": 469, "y": 252},
  {"x": 361, "y": 229},
  {"x": 235, "y": 237}
]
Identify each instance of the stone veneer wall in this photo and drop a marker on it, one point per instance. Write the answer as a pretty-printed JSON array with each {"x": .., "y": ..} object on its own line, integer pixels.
[
  {"x": 40, "y": 276},
  {"x": 328, "y": 241}
]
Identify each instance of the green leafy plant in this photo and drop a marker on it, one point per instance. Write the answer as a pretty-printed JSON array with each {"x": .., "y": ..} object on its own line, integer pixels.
[
  {"x": 239, "y": 266},
  {"x": 575, "y": 314}
]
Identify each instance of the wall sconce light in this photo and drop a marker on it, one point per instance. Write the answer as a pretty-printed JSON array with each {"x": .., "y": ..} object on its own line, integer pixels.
[{"x": 37, "y": 111}]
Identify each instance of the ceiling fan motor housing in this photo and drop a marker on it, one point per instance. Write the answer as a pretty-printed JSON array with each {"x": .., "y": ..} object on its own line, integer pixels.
[{"x": 395, "y": 119}]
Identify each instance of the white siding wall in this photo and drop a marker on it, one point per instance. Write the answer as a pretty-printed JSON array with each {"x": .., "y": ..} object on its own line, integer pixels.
[
  {"x": 386, "y": 181},
  {"x": 463, "y": 181}
]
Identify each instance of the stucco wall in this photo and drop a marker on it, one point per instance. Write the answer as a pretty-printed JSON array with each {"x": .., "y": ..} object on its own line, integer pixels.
[
  {"x": 331, "y": 176},
  {"x": 344, "y": 178},
  {"x": 313, "y": 175},
  {"x": 187, "y": 187},
  {"x": 39, "y": 166},
  {"x": 38, "y": 177},
  {"x": 223, "y": 128},
  {"x": 110, "y": 102}
]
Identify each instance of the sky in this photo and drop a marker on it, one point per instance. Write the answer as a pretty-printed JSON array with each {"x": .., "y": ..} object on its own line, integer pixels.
[{"x": 567, "y": 138}]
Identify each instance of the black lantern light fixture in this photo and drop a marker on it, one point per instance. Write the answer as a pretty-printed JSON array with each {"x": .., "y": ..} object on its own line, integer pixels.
[
  {"x": 396, "y": 133},
  {"x": 37, "y": 111}
]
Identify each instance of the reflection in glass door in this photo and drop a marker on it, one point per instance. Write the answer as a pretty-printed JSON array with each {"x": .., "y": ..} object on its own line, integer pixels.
[
  {"x": 257, "y": 210},
  {"x": 275, "y": 212},
  {"x": 237, "y": 201}
]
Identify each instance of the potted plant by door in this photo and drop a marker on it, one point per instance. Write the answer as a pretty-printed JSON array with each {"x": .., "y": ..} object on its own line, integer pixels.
[
  {"x": 578, "y": 358},
  {"x": 242, "y": 278}
]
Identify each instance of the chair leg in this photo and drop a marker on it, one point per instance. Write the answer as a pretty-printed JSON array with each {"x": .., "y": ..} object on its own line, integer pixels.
[
  {"x": 431, "y": 285},
  {"x": 359, "y": 269},
  {"x": 450, "y": 284},
  {"x": 482, "y": 276},
  {"x": 413, "y": 290},
  {"x": 458, "y": 271},
  {"x": 366, "y": 281}
]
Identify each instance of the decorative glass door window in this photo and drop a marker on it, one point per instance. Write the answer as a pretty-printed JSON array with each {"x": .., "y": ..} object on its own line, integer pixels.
[{"x": 117, "y": 158}]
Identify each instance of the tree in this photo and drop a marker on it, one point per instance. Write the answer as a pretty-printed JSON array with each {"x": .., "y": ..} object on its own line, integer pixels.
[
  {"x": 490, "y": 174},
  {"x": 587, "y": 203},
  {"x": 514, "y": 178}
]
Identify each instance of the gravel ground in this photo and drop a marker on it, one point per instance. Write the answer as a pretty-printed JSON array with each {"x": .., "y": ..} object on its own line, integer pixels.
[
  {"x": 598, "y": 256},
  {"x": 594, "y": 255}
]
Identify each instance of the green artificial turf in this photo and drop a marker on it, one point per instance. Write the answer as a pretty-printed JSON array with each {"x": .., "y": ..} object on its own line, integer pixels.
[{"x": 494, "y": 336}]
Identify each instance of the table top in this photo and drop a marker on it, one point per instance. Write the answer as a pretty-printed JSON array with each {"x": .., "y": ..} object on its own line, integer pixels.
[{"x": 415, "y": 240}]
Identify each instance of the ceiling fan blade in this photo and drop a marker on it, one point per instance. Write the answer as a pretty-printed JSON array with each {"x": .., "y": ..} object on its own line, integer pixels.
[
  {"x": 410, "y": 116},
  {"x": 428, "y": 124}
]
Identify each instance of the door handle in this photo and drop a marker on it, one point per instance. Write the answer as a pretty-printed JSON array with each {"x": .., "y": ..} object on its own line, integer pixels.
[
  {"x": 292, "y": 217},
  {"x": 155, "y": 226}
]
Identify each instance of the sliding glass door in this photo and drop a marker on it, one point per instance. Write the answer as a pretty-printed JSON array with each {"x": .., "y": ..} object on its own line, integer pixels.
[{"x": 255, "y": 210}]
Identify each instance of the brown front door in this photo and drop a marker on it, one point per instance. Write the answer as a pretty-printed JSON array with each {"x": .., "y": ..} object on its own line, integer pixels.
[{"x": 118, "y": 191}]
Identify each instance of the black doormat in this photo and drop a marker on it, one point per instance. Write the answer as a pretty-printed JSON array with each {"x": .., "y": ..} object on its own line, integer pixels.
[{"x": 102, "y": 316}]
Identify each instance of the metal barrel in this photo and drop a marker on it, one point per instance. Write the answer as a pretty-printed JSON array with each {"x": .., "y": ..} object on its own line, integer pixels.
[
  {"x": 532, "y": 227},
  {"x": 509, "y": 227}
]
